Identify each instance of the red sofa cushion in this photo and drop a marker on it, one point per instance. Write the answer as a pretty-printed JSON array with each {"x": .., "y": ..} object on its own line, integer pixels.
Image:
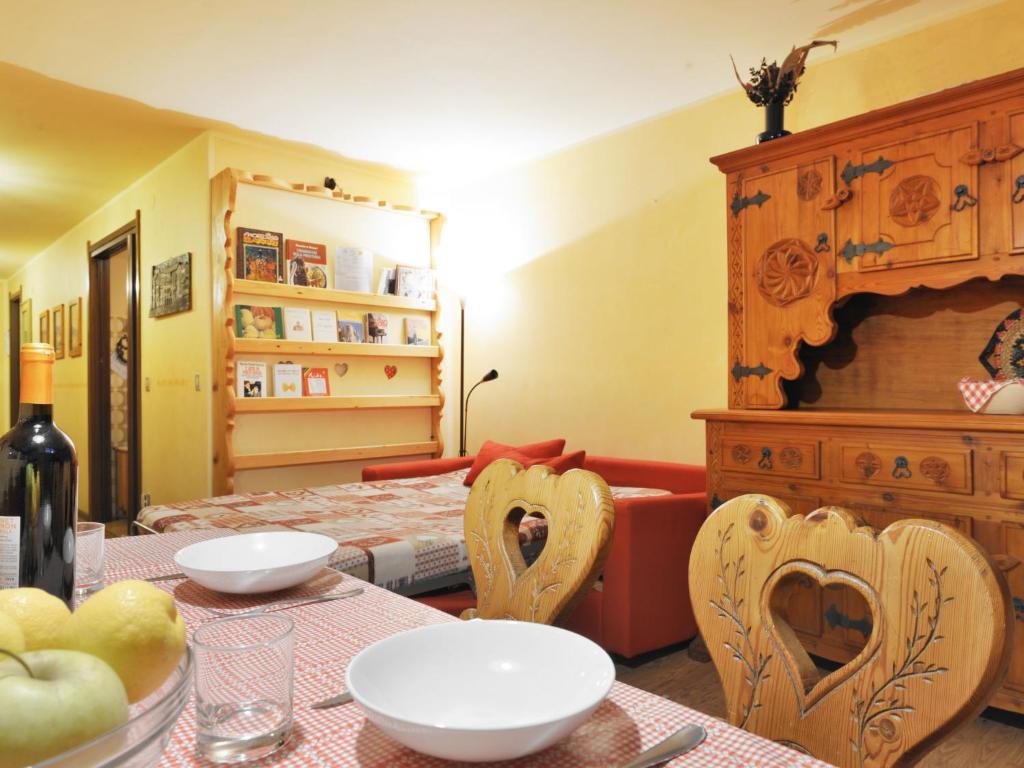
[
  {"x": 560, "y": 464},
  {"x": 491, "y": 451}
]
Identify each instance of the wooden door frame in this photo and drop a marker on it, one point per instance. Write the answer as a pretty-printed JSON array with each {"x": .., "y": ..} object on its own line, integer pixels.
[
  {"x": 100, "y": 491},
  {"x": 14, "y": 367}
]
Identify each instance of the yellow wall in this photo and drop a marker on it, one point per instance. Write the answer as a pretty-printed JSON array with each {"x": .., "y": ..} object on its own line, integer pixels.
[{"x": 608, "y": 324}]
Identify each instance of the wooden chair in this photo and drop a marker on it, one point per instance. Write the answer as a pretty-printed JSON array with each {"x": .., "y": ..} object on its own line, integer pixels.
[
  {"x": 939, "y": 645},
  {"x": 580, "y": 518}
]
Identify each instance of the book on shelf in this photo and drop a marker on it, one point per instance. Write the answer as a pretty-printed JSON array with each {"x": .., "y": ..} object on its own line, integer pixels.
[
  {"x": 386, "y": 282},
  {"x": 324, "y": 325},
  {"x": 251, "y": 378},
  {"x": 417, "y": 331},
  {"x": 316, "y": 382},
  {"x": 258, "y": 255},
  {"x": 306, "y": 263},
  {"x": 414, "y": 282},
  {"x": 376, "y": 327},
  {"x": 287, "y": 380},
  {"x": 253, "y": 322},
  {"x": 353, "y": 269},
  {"x": 296, "y": 324},
  {"x": 350, "y": 331}
]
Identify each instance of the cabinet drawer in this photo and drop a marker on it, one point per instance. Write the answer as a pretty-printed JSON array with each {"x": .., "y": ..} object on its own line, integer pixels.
[
  {"x": 771, "y": 456},
  {"x": 928, "y": 468},
  {"x": 1013, "y": 475}
]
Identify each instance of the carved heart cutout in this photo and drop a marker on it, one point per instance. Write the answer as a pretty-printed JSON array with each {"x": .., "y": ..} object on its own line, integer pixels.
[
  {"x": 940, "y": 636},
  {"x": 810, "y": 686},
  {"x": 341, "y": 368},
  {"x": 390, "y": 371}
]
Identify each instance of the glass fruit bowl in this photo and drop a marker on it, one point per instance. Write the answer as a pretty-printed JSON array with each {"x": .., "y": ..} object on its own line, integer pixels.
[{"x": 141, "y": 741}]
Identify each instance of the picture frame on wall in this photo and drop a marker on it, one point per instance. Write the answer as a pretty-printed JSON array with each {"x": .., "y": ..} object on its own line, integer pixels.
[
  {"x": 44, "y": 327},
  {"x": 58, "y": 332},
  {"x": 26, "y": 321},
  {"x": 414, "y": 282},
  {"x": 171, "y": 286},
  {"x": 75, "y": 328}
]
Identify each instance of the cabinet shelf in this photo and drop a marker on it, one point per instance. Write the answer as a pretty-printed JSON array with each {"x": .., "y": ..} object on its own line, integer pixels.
[
  {"x": 332, "y": 455},
  {"x": 331, "y": 349},
  {"x": 288, "y": 404},
  {"x": 329, "y": 296}
]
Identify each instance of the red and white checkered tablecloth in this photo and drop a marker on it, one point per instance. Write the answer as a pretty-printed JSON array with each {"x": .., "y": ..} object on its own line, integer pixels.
[{"x": 328, "y": 635}]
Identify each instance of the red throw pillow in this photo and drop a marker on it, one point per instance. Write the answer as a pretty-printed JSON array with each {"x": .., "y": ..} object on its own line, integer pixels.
[
  {"x": 560, "y": 464},
  {"x": 490, "y": 451}
]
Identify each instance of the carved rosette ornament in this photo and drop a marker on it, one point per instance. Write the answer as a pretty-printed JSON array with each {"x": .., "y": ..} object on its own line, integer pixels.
[
  {"x": 935, "y": 469},
  {"x": 914, "y": 200},
  {"x": 868, "y": 464},
  {"x": 787, "y": 271},
  {"x": 808, "y": 185},
  {"x": 741, "y": 453},
  {"x": 791, "y": 458}
]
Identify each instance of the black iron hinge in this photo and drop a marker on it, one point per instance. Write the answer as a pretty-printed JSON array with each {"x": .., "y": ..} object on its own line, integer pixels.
[
  {"x": 739, "y": 203},
  {"x": 852, "y": 172},
  {"x": 852, "y": 249},
  {"x": 740, "y": 371}
]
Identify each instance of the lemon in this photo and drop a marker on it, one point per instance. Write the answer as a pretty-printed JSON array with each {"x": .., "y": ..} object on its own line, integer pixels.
[
  {"x": 11, "y": 637},
  {"x": 39, "y": 615},
  {"x": 135, "y": 628}
]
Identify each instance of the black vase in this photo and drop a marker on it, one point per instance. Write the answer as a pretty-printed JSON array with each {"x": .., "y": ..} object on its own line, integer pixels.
[{"x": 773, "y": 120}]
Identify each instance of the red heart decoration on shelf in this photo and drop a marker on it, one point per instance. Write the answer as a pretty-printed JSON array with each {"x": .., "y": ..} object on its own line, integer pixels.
[{"x": 390, "y": 371}]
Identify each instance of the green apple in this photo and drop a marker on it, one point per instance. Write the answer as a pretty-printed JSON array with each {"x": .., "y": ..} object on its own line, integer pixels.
[{"x": 69, "y": 698}]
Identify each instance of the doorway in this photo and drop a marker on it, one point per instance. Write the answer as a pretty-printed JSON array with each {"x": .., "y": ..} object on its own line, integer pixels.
[
  {"x": 115, "y": 466},
  {"x": 14, "y": 346}
]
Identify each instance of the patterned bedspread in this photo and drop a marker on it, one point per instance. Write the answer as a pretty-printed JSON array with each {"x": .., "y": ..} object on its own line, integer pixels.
[{"x": 393, "y": 533}]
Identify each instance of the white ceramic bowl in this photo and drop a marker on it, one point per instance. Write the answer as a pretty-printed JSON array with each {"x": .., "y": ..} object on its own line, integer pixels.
[
  {"x": 1009, "y": 400},
  {"x": 480, "y": 690},
  {"x": 256, "y": 562}
]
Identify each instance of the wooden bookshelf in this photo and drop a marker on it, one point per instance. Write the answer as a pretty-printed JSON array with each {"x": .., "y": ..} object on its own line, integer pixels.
[{"x": 317, "y": 420}]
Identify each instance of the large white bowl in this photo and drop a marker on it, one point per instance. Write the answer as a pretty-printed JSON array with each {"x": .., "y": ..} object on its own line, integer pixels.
[
  {"x": 256, "y": 562},
  {"x": 480, "y": 690}
]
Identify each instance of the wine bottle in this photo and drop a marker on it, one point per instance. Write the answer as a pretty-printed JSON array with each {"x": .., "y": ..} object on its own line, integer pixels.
[{"x": 38, "y": 488}]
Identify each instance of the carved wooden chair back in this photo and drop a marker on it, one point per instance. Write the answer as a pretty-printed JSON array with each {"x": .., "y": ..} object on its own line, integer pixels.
[
  {"x": 938, "y": 647},
  {"x": 580, "y": 519}
]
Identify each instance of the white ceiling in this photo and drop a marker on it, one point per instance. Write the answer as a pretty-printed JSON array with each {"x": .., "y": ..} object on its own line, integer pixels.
[{"x": 458, "y": 85}]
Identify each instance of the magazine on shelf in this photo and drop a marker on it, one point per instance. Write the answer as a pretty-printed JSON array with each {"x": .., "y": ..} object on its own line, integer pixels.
[
  {"x": 350, "y": 331},
  {"x": 252, "y": 378},
  {"x": 414, "y": 282},
  {"x": 287, "y": 380},
  {"x": 353, "y": 269},
  {"x": 253, "y": 322},
  {"x": 306, "y": 263},
  {"x": 258, "y": 255},
  {"x": 376, "y": 327},
  {"x": 324, "y": 325},
  {"x": 417, "y": 331},
  {"x": 296, "y": 324},
  {"x": 316, "y": 382}
]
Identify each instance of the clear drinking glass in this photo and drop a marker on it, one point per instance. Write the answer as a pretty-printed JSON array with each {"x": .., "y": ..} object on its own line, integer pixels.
[
  {"x": 89, "y": 551},
  {"x": 243, "y": 684}
]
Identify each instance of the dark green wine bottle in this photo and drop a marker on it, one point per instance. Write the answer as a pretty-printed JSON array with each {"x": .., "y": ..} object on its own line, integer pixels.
[{"x": 38, "y": 488}]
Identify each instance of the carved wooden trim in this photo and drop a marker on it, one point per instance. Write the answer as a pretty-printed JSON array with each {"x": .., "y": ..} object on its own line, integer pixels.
[
  {"x": 868, "y": 464},
  {"x": 808, "y": 184},
  {"x": 736, "y": 280},
  {"x": 787, "y": 271},
  {"x": 741, "y": 453},
  {"x": 935, "y": 468},
  {"x": 791, "y": 458},
  {"x": 914, "y": 200}
]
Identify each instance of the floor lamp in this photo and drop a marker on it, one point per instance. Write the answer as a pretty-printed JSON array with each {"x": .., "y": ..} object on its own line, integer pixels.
[{"x": 491, "y": 375}]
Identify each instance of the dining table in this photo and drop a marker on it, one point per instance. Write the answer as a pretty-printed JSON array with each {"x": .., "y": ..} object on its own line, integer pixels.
[{"x": 329, "y": 634}]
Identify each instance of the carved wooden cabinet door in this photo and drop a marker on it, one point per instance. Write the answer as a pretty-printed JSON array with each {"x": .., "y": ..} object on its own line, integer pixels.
[
  {"x": 1013, "y": 192},
  {"x": 781, "y": 276},
  {"x": 1013, "y": 545},
  {"x": 913, "y": 202}
]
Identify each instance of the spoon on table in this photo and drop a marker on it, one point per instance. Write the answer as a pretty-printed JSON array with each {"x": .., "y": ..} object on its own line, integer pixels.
[{"x": 680, "y": 742}]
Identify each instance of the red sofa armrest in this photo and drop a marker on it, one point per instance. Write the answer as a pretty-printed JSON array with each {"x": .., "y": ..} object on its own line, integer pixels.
[
  {"x": 640, "y": 473},
  {"x": 646, "y": 586},
  {"x": 421, "y": 468}
]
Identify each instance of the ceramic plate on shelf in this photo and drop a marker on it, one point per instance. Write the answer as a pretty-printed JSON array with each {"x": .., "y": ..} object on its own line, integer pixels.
[
  {"x": 480, "y": 690},
  {"x": 256, "y": 562}
]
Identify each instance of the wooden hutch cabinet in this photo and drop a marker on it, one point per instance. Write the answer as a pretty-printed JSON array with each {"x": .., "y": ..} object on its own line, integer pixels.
[{"x": 869, "y": 263}]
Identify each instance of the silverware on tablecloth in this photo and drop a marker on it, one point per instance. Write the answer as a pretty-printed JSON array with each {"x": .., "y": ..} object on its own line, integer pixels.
[
  {"x": 334, "y": 701},
  {"x": 167, "y": 577},
  {"x": 680, "y": 742},
  {"x": 281, "y": 605}
]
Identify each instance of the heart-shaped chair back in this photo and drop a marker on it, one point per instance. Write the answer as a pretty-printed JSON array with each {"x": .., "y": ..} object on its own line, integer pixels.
[
  {"x": 580, "y": 519},
  {"x": 939, "y": 644}
]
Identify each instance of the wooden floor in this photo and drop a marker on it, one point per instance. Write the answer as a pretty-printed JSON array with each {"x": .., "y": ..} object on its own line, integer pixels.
[{"x": 996, "y": 739}]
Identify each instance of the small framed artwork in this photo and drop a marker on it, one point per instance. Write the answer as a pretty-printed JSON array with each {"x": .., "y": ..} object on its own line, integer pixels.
[
  {"x": 75, "y": 328},
  {"x": 44, "y": 327},
  {"x": 58, "y": 331},
  {"x": 172, "y": 286},
  {"x": 414, "y": 282},
  {"x": 26, "y": 321}
]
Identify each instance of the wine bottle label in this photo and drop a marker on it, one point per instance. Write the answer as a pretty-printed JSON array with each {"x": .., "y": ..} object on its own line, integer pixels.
[{"x": 10, "y": 551}]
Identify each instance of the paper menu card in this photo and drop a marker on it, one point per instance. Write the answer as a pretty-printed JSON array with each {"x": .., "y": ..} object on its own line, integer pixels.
[{"x": 353, "y": 269}]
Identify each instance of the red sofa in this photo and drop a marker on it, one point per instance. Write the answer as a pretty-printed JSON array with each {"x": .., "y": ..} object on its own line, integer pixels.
[{"x": 644, "y": 601}]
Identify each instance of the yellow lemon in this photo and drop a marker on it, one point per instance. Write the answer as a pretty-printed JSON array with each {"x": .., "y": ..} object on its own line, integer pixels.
[
  {"x": 39, "y": 615},
  {"x": 135, "y": 628},
  {"x": 11, "y": 637}
]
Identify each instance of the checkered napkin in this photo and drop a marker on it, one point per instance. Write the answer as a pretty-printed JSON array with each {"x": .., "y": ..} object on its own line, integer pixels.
[{"x": 978, "y": 393}]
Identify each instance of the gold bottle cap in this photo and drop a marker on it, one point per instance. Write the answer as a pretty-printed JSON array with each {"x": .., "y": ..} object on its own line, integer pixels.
[{"x": 37, "y": 353}]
